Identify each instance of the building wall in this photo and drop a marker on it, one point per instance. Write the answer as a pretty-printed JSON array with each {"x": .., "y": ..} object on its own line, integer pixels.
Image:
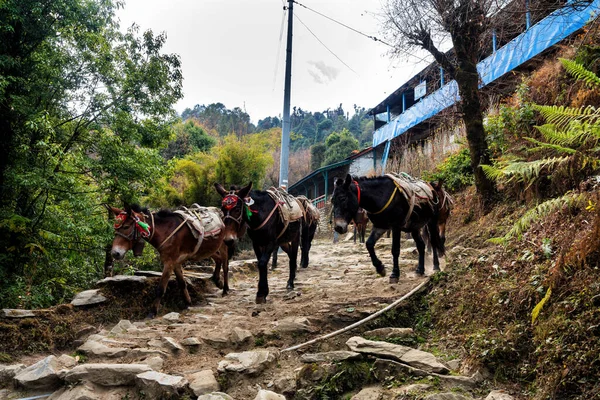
[
  {"x": 422, "y": 156},
  {"x": 362, "y": 165}
]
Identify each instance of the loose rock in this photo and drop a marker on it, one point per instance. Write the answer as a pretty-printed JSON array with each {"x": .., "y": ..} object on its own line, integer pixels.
[
  {"x": 123, "y": 326},
  {"x": 93, "y": 348},
  {"x": 416, "y": 358},
  {"x": 240, "y": 336},
  {"x": 498, "y": 395},
  {"x": 106, "y": 374},
  {"x": 172, "y": 344},
  {"x": 215, "y": 396},
  {"x": 191, "y": 342},
  {"x": 369, "y": 393},
  {"x": 268, "y": 395},
  {"x": 121, "y": 279},
  {"x": 8, "y": 372},
  {"x": 330, "y": 356},
  {"x": 172, "y": 317},
  {"x": 203, "y": 382},
  {"x": 248, "y": 362},
  {"x": 41, "y": 375},
  {"x": 11, "y": 313},
  {"x": 88, "y": 297},
  {"x": 157, "y": 385}
]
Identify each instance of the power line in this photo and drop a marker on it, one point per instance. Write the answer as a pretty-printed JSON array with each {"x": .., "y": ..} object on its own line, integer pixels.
[
  {"x": 319, "y": 40},
  {"x": 344, "y": 25}
]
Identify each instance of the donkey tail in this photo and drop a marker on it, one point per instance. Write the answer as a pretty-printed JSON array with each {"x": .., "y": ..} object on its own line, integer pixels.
[{"x": 434, "y": 235}]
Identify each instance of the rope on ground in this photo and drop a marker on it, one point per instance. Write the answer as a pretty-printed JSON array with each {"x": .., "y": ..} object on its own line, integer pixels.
[{"x": 362, "y": 321}]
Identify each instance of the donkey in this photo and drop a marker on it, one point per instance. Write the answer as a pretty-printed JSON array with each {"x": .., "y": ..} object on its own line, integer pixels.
[
  {"x": 266, "y": 229},
  {"x": 310, "y": 223},
  {"x": 360, "y": 225},
  {"x": 387, "y": 209},
  {"x": 445, "y": 207},
  {"x": 168, "y": 233}
]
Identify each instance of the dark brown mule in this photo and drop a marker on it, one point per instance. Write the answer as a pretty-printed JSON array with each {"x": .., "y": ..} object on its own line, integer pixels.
[
  {"x": 175, "y": 242},
  {"x": 360, "y": 224},
  {"x": 266, "y": 229},
  {"x": 446, "y": 203}
]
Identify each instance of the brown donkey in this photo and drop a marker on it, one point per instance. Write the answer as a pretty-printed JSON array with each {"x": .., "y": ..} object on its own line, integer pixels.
[{"x": 175, "y": 241}]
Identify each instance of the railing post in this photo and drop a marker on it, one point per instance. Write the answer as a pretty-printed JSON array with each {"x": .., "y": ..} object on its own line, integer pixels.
[{"x": 494, "y": 44}]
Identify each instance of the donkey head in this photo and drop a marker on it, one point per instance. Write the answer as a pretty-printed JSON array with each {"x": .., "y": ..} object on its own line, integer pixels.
[
  {"x": 233, "y": 206},
  {"x": 345, "y": 203},
  {"x": 130, "y": 231}
]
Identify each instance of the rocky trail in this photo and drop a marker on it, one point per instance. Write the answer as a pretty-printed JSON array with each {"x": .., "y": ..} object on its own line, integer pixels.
[{"x": 231, "y": 348}]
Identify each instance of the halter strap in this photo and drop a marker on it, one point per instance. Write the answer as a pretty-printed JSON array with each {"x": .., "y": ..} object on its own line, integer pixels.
[
  {"x": 268, "y": 217},
  {"x": 390, "y": 200},
  {"x": 358, "y": 190}
]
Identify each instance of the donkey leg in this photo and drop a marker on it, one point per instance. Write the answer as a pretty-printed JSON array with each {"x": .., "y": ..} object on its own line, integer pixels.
[
  {"x": 292, "y": 251},
  {"x": 225, "y": 272},
  {"x": 182, "y": 285},
  {"x": 436, "y": 260},
  {"x": 216, "y": 276},
  {"x": 421, "y": 249},
  {"x": 274, "y": 264},
  {"x": 396, "y": 235},
  {"x": 263, "y": 254},
  {"x": 161, "y": 289},
  {"x": 376, "y": 233}
]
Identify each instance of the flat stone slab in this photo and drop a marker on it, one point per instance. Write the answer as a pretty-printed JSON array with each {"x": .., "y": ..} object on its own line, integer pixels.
[
  {"x": 123, "y": 326},
  {"x": 88, "y": 298},
  {"x": 447, "y": 396},
  {"x": 157, "y": 386},
  {"x": 122, "y": 278},
  {"x": 248, "y": 362},
  {"x": 94, "y": 348},
  {"x": 149, "y": 274},
  {"x": 369, "y": 393},
  {"x": 416, "y": 358},
  {"x": 330, "y": 356},
  {"x": 203, "y": 382},
  {"x": 390, "y": 333},
  {"x": 17, "y": 313},
  {"x": 106, "y": 374}
]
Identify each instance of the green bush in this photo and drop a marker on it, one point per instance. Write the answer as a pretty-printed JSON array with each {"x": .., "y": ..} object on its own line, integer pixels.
[{"x": 455, "y": 171}]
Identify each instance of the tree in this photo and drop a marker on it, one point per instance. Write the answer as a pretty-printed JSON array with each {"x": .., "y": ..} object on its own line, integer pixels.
[
  {"x": 190, "y": 137},
  {"x": 84, "y": 109},
  {"x": 317, "y": 156},
  {"x": 426, "y": 24},
  {"x": 339, "y": 146}
]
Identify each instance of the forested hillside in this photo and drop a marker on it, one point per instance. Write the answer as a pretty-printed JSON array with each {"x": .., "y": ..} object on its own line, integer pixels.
[{"x": 87, "y": 118}]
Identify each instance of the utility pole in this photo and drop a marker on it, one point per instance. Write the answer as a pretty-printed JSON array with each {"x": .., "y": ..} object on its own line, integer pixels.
[{"x": 286, "y": 123}]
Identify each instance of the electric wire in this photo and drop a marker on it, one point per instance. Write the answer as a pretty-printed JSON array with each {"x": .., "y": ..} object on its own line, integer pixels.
[
  {"x": 345, "y": 26},
  {"x": 323, "y": 44}
]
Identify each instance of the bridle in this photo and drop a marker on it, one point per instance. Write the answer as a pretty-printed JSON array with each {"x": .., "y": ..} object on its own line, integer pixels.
[
  {"x": 139, "y": 230},
  {"x": 228, "y": 204}
]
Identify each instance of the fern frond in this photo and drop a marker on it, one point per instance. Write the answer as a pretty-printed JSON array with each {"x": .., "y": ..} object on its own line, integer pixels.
[
  {"x": 580, "y": 72},
  {"x": 492, "y": 172},
  {"x": 555, "y": 147},
  {"x": 528, "y": 171},
  {"x": 540, "y": 211},
  {"x": 536, "y": 310},
  {"x": 562, "y": 116}
]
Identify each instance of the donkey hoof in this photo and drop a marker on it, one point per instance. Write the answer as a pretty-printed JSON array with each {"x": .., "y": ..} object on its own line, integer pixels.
[
  {"x": 261, "y": 299},
  {"x": 380, "y": 270},
  {"x": 436, "y": 269},
  {"x": 393, "y": 279},
  {"x": 289, "y": 287},
  {"x": 419, "y": 272},
  {"x": 150, "y": 315}
]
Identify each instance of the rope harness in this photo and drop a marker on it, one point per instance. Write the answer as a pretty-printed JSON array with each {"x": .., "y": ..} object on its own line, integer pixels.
[{"x": 230, "y": 202}]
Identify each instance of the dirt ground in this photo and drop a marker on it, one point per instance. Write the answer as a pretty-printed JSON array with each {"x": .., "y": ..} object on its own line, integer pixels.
[{"x": 339, "y": 287}]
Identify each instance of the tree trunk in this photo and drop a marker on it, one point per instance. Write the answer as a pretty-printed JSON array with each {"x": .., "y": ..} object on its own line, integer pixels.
[{"x": 467, "y": 79}]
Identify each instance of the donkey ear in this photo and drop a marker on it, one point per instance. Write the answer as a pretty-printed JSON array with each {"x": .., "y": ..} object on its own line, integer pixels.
[
  {"x": 115, "y": 211},
  {"x": 348, "y": 181},
  {"x": 243, "y": 192},
  {"x": 338, "y": 182},
  {"x": 220, "y": 189}
]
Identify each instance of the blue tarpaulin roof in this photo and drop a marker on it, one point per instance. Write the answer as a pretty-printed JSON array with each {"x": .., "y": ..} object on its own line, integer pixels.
[{"x": 546, "y": 33}]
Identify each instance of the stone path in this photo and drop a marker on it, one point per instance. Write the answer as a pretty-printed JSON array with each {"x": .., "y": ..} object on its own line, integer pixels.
[{"x": 232, "y": 345}]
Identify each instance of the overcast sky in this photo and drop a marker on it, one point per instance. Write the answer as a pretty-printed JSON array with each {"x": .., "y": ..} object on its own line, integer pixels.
[{"x": 229, "y": 52}]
